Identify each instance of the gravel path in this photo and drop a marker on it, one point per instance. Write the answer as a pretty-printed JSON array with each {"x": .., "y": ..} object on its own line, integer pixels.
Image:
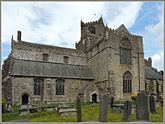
[{"x": 22, "y": 120}]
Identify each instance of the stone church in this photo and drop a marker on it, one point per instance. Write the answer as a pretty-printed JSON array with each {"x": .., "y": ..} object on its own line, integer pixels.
[{"x": 104, "y": 61}]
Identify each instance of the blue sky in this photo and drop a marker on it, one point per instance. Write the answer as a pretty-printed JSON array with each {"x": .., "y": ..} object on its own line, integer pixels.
[{"x": 58, "y": 23}]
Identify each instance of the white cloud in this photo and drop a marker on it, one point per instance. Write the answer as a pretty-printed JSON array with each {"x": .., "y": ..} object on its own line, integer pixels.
[
  {"x": 157, "y": 60},
  {"x": 156, "y": 30},
  {"x": 123, "y": 13},
  {"x": 58, "y": 23}
]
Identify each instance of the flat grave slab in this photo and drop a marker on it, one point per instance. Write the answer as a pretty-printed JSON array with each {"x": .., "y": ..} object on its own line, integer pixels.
[
  {"x": 23, "y": 111},
  {"x": 67, "y": 112}
]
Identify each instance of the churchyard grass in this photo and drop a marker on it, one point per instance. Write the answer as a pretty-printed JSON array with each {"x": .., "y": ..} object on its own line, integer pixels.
[
  {"x": 9, "y": 117},
  {"x": 122, "y": 102},
  {"x": 88, "y": 114}
]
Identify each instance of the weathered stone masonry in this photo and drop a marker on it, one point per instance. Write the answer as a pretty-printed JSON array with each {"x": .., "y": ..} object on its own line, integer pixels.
[{"x": 94, "y": 67}]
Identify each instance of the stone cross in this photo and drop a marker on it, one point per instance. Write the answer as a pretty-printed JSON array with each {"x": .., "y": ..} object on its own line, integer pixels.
[
  {"x": 127, "y": 111},
  {"x": 152, "y": 104},
  {"x": 79, "y": 115},
  {"x": 142, "y": 107},
  {"x": 103, "y": 113}
]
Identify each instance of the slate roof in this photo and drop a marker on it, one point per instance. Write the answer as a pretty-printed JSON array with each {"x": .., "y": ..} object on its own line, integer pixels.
[
  {"x": 151, "y": 74},
  {"x": 47, "y": 69}
]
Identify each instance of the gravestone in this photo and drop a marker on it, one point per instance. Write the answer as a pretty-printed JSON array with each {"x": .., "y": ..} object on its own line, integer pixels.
[
  {"x": 103, "y": 113},
  {"x": 152, "y": 104},
  {"x": 142, "y": 107},
  {"x": 112, "y": 102},
  {"x": 127, "y": 111},
  {"x": 79, "y": 115}
]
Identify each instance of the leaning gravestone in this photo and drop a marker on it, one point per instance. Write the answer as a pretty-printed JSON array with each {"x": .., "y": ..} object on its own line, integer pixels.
[
  {"x": 103, "y": 113},
  {"x": 127, "y": 111},
  {"x": 79, "y": 116},
  {"x": 142, "y": 107},
  {"x": 152, "y": 104}
]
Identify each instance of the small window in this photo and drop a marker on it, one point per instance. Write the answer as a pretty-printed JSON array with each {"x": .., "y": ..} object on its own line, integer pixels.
[
  {"x": 45, "y": 57},
  {"x": 66, "y": 59},
  {"x": 60, "y": 87}
]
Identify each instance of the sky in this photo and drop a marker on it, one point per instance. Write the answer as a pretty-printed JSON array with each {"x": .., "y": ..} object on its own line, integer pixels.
[{"x": 58, "y": 23}]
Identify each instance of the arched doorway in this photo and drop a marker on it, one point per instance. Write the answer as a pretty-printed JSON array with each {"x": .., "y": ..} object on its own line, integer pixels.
[
  {"x": 24, "y": 99},
  {"x": 94, "y": 97}
]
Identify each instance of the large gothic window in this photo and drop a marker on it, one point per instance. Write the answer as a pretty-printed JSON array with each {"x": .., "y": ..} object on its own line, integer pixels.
[
  {"x": 92, "y": 29},
  {"x": 60, "y": 87},
  {"x": 37, "y": 84},
  {"x": 127, "y": 82},
  {"x": 125, "y": 51}
]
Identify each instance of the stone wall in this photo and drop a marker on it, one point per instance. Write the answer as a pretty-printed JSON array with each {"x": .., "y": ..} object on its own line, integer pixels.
[
  {"x": 103, "y": 55},
  {"x": 26, "y": 85},
  {"x": 31, "y": 51},
  {"x": 7, "y": 89}
]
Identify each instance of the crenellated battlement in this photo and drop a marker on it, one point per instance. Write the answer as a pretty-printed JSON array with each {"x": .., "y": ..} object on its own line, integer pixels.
[{"x": 92, "y": 22}]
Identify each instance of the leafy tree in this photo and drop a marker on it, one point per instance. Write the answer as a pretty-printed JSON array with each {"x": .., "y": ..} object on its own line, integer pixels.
[
  {"x": 161, "y": 72},
  {"x": 155, "y": 69},
  {"x": 3, "y": 104}
]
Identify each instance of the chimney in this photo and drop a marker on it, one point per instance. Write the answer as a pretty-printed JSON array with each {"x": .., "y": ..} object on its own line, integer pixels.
[
  {"x": 149, "y": 62},
  {"x": 18, "y": 35}
]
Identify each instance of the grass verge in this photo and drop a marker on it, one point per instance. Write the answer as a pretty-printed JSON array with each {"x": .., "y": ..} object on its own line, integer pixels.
[{"x": 88, "y": 114}]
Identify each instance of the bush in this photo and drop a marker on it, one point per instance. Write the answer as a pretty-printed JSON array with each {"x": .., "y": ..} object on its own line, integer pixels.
[
  {"x": 133, "y": 97},
  {"x": 3, "y": 104}
]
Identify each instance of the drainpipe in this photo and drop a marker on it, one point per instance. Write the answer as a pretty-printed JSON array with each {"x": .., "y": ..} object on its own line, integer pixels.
[
  {"x": 13, "y": 88},
  {"x": 139, "y": 68}
]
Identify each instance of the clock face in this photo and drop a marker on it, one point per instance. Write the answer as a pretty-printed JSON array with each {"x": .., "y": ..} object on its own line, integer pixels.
[{"x": 92, "y": 29}]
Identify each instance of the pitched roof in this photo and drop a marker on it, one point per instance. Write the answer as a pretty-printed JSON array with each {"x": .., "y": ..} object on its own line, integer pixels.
[
  {"x": 122, "y": 28},
  {"x": 46, "y": 69},
  {"x": 151, "y": 74}
]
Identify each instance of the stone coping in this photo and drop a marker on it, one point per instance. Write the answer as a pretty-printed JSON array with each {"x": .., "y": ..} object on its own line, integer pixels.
[
  {"x": 118, "y": 105},
  {"x": 67, "y": 110},
  {"x": 69, "y": 107},
  {"x": 49, "y": 107},
  {"x": 29, "y": 108}
]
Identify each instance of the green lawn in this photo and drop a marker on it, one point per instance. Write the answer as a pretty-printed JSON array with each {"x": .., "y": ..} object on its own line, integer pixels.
[{"x": 88, "y": 114}]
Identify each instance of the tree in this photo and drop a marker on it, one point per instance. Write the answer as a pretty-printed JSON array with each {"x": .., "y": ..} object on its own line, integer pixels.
[
  {"x": 155, "y": 69},
  {"x": 161, "y": 72}
]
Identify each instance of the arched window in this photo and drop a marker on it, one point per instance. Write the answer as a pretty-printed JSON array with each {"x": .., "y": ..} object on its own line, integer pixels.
[
  {"x": 60, "y": 87},
  {"x": 125, "y": 51},
  {"x": 92, "y": 29},
  {"x": 127, "y": 82}
]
